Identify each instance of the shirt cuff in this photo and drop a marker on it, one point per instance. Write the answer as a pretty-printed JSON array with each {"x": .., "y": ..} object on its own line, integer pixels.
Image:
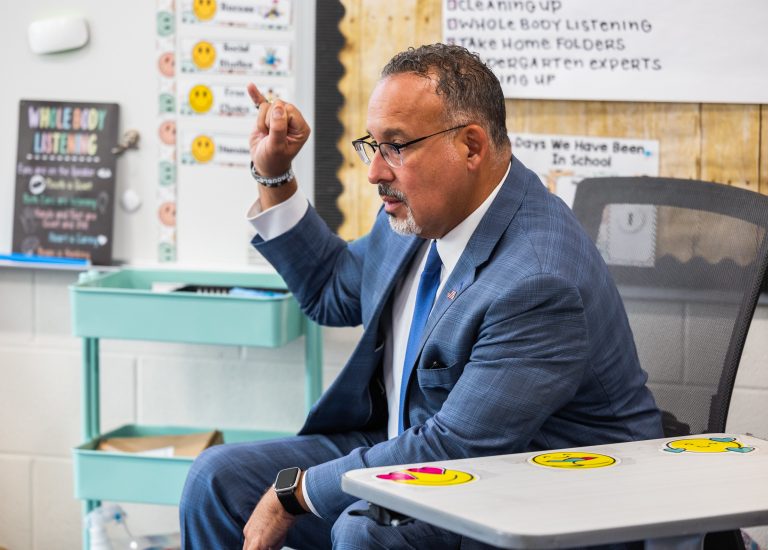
[
  {"x": 305, "y": 493},
  {"x": 279, "y": 219}
]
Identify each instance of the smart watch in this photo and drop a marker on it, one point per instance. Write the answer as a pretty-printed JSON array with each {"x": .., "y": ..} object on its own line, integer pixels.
[{"x": 286, "y": 482}]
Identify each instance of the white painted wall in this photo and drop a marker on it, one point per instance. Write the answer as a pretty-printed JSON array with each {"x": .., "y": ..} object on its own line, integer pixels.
[{"x": 119, "y": 65}]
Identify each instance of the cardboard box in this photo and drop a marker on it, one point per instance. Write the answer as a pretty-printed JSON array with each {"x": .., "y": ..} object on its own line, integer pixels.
[{"x": 189, "y": 445}]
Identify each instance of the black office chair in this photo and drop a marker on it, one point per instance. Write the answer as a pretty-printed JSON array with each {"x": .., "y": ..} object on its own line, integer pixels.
[{"x": 688, "y": 258}]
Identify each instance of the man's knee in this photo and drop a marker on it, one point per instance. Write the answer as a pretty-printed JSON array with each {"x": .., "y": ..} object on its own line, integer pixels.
[
  {"x": 203, "y": 475},
  {"x": 359, "y": 532},
  {"x": 350, "y": 532},
  {"x": 355, "y": 532},
  {"x": 209, "y": 515}
]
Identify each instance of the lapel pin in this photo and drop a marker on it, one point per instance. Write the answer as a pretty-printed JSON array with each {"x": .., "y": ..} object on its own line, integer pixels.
[{"x": 451, "y": 295}]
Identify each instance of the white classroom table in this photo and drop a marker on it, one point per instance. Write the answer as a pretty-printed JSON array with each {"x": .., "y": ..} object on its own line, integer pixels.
[{"x": 649, "y": 493}]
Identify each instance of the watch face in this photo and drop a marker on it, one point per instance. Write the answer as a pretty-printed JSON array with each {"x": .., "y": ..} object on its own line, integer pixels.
[{"x": 286, "y": 479}]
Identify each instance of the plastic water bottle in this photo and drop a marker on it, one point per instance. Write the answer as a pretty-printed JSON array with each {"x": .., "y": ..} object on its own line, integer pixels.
[{"x": 97, "y": 520}]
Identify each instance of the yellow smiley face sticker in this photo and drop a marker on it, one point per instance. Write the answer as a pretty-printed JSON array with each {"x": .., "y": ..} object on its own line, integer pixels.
[
  {"x": 200, "y": 98},
  {"x": 573, "y": 460},
  {"x": 203, "y": 54},
  {"x": 204, "y": 9},
  {"x": 203, "y": 148},
  {"x": 430, "y": 476},
  {"x": 707, "y": 445}
]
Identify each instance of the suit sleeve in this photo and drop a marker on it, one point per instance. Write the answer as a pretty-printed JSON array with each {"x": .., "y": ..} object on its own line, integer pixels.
[
  {"x": 323, "y": 271},
  {"x": 527, "y": 362}
]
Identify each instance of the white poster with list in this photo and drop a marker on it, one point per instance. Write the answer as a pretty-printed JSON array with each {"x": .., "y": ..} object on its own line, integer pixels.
[{"x": 701, "y": 51}]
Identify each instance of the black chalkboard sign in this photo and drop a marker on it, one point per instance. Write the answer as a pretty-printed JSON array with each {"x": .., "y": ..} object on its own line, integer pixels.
[{"x": 65, "y": 180}]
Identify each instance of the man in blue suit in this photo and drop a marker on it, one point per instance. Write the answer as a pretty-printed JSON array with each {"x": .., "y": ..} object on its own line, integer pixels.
[{"x": 491, "y": 322}]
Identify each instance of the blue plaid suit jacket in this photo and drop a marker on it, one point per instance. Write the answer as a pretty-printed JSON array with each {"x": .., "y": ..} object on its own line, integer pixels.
[{"x": 533, "y": 351}]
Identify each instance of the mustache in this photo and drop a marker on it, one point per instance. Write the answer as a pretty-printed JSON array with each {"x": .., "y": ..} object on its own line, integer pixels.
[{"x": 387, "y": 191}]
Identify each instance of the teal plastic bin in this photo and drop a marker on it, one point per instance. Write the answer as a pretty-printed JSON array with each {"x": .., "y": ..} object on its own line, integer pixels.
[
  {"x": 128, "y": 477},
  {"x": 123, "y": 305}
]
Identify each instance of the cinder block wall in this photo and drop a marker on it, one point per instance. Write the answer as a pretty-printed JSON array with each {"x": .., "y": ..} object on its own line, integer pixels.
[
  {"x": 166, "y": 383},
  {"x": 141, "y": 382}
]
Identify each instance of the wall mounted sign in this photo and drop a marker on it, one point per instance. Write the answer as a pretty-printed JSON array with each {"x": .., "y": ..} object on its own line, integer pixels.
[
  {"x": 65, "y": 180},
  {"x": 700, "y": 51}
]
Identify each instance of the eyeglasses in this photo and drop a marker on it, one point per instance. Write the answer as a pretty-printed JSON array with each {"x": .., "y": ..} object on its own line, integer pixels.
[{"x": 392, "y": 152}]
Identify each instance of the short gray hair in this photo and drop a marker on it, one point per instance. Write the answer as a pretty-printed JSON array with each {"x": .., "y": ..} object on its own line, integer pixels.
[{"x": 468, "y": 87}]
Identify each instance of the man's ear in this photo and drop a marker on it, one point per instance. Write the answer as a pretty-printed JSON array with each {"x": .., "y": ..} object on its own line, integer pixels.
[{"x": 478, "y": 145}]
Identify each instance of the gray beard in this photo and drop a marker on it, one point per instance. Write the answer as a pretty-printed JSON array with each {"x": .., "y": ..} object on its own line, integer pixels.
[{"x": 408, "y": 226}]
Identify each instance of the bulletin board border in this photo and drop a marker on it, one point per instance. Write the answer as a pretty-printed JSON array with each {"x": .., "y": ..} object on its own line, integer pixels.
[{"x": 328, "y": 102}]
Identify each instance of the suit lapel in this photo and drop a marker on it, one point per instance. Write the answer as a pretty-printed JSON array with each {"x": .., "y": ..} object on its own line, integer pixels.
[
  {"x": 398, "y": 257},
  {"x": 481, "y": 244}
]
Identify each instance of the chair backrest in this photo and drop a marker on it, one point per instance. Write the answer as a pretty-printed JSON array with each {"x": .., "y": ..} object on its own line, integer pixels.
[{"x": 688, "y": 258}]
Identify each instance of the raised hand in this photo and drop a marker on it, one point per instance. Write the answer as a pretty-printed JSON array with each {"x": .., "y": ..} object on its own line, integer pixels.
[{"x": 278, "y": 135}]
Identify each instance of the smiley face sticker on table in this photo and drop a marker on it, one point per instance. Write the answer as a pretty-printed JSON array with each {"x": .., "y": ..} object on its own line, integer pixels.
[
  {"x": 429, "y": 476},
  {"x": 707, "y": 445},
  {"x": 573, "y": 460}
]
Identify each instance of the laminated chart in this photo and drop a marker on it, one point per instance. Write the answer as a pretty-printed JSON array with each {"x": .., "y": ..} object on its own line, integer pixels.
[
  {"x": 207, "y": 55},
  {"x": 212, "y": 149},
  {"x": 220, "y": 47},
  {"x": 166, "y": 131},
  {"x": 264, "y": 14},
  {"x": 199, "y": 97}
]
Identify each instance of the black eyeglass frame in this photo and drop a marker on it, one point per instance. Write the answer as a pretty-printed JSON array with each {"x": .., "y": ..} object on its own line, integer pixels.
[{"x": 398, "y": 147}]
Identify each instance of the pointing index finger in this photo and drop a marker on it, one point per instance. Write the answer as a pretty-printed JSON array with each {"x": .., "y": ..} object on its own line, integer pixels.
[{"x": 255, "y": 94}]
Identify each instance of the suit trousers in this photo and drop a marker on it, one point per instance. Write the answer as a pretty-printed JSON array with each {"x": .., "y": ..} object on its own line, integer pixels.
[{"x": 226, "y": 482}]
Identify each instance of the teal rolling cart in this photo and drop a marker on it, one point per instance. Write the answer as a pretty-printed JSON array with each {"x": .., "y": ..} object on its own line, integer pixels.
[{"x": 123, "y": 305}]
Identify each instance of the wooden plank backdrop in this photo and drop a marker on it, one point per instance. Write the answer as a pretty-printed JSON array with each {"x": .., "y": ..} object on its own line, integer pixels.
[{"x": 721, "y": 143}]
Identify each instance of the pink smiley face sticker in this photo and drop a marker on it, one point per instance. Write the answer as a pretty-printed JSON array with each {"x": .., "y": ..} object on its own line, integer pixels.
[
  {"x": 431, "y": 476},
  {"x": 166, "y": 64},
  {"x": 167, "y": 213},
  {"x": 167, "y": 132}
]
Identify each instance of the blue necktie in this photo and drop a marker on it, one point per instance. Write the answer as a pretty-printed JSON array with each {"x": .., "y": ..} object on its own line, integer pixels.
[{"x": 425, "y": 297}]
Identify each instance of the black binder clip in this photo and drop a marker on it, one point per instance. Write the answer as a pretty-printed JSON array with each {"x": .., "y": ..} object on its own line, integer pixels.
[{"x": 382, "y": 516}]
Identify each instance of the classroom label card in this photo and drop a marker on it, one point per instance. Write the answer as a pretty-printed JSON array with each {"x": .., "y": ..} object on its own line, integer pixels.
[
  {"x": 217, "y": 99},
  {"x": 234, "y": 57},
  {"x": 215, "y": 149},
  {"x": 265, "y": 14},
  {"x": 65, "y": 180}
]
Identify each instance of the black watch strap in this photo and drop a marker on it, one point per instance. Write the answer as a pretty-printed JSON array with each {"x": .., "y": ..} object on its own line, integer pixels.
[{"x": 291, "y": 504}]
